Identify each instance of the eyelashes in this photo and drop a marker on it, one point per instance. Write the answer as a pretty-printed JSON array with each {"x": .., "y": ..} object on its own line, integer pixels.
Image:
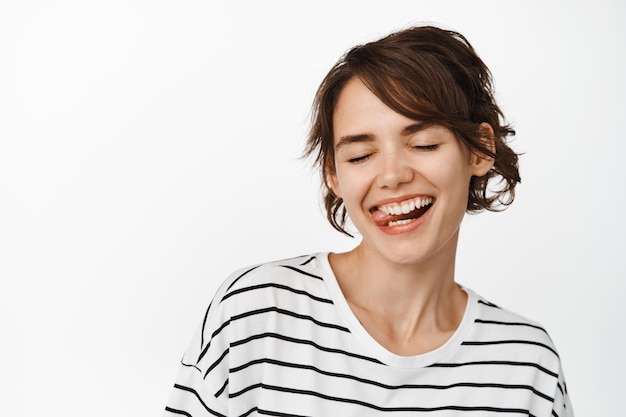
[
  {"x": 359, "y": 159},
  {"x": 426, "y": 147},
  {"x": 421, "y": 148}
]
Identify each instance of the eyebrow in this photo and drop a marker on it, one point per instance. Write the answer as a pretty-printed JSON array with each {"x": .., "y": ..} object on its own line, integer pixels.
[
  {"x": 347, "y": 139},
  {"x": 368, "y": 137},
  {"x": 414, "y": 128}
]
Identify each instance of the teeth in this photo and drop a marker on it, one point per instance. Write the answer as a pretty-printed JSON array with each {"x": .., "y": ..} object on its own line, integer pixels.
[
  {"x": 400, "y": 222},
  {"x": 405, "y": 206}
]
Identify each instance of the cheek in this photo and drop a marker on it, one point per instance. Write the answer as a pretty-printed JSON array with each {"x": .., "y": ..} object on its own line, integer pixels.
[
  {"x": 455, "y": 180},
  {"x": 351, "y": 187}
]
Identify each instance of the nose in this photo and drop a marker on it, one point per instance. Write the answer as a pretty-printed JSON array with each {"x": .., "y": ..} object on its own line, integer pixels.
[{"x": 395, "y": 171}]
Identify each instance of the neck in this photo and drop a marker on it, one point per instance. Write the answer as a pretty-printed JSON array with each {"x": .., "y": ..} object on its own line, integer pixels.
[{"x": 402, "y": 301}]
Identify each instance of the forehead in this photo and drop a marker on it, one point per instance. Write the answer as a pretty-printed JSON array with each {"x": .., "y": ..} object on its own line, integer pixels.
[{"x": 359, "y": 111}]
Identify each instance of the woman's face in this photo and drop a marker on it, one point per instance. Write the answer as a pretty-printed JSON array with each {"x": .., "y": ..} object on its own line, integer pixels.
[{"x": 404, "y": 184}]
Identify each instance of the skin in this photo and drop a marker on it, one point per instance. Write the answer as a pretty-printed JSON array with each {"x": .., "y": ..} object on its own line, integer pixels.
[{"x": 399, "y": 280}]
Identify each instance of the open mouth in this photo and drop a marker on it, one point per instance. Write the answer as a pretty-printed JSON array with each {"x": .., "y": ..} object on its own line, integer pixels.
[{"x": 401, "y": 213}]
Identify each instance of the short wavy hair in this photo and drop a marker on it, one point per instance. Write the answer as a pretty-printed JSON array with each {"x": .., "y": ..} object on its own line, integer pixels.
[{"x": 428, "y": 74}]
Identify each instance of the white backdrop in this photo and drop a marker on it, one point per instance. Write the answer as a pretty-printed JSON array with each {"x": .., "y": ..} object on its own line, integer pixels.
[{"x": 149, "y": 148}]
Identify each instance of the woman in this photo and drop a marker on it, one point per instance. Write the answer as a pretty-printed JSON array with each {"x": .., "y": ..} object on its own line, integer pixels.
[{"x": 408, "y": 137}]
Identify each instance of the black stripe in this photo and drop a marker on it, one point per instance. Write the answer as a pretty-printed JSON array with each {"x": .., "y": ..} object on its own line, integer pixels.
[
  {"x": 241, "y": 276},
  {"x": 554, "y": 413},
  {"x": 293, "y": 268},
  {"x": 204, "y": 351},
  {"x": 250, "y": 411},
  {"x": 506, "y": 363},
  {"x": 376, "y": 407},
  {"x": 487, "y": 303},
  {"x": 279, "y": 286},
  {"x": 289, "y": 313},
  {"x": 507, "y": 323},
  {"x": 194, "y": 392},
  {"x": 206, "y": 316},
  {"x": 270, "y": 413},
  {"x": 391, "y": 387},
  {"x": 303, "y": 342},
  {"x": 511, "y": 342},
  {"x": 213, "y": 335},
  {"x": 265, "y": 310},
  {"x": 276, "y": 413},
  {"x": 175, "y": 411},
  {"x": 216, "y": 362},
  {"x": 275, "y": 309},
  {"x": 221, "y": 390},
  {"x": 307, "y": 261}
]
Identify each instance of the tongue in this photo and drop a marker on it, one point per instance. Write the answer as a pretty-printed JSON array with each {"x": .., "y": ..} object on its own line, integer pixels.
[{"x": 382, "y": 219}]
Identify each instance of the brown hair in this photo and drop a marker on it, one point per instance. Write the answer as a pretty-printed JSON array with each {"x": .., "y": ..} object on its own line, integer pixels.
[{"x": 428, "y": 74}]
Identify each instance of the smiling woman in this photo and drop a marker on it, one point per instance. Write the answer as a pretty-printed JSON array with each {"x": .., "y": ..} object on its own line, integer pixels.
[{"x": 408, "y": 138}]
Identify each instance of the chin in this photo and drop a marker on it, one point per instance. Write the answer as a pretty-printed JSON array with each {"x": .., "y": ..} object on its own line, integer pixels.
[{"x": 404, "y": 257}]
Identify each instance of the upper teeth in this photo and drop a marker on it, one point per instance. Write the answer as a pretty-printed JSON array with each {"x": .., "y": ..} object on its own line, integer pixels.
[{"x": 405, "y": 207}]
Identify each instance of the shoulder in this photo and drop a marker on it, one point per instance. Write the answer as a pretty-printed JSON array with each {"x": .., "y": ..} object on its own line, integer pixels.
[
  {"x": 271, "y": 283},
  {"x": 275, "y": 272},
  {"x": 256, "y": 291},
  {"x": 500, "y": 328},
  {"x": 515, "y": 341},
  {"x": 493, "y": 313},
  {"x": 273, "y": 298}
]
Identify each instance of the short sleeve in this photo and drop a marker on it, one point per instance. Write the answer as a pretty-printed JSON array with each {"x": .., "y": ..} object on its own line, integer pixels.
[
  {"x": 562, "y": 406},
  {"x": 201, "y": 387}
]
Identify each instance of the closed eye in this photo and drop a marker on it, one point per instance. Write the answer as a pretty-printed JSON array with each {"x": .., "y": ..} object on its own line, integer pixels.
[
  {"x": 426, "y": 147},
  {"x": 359, "y": 159}
]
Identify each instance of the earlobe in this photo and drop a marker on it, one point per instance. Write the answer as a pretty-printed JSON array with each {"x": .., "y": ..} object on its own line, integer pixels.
[{"x": 481, "y": 163}]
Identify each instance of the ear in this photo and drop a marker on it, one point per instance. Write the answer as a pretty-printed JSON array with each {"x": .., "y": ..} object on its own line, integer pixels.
[
  {"x": 331, "y": 180},
  {"x": 481, "y": 163}
]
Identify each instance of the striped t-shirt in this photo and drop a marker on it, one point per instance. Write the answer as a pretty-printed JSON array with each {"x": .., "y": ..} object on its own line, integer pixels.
[{"x": 280, "y": 339}]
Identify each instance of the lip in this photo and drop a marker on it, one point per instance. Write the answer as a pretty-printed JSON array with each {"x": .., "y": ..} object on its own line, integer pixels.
[{"x": 403, "y": 228}]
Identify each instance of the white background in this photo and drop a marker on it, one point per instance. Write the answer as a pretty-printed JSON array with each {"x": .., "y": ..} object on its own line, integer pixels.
[{"x": 149, "y": 148}]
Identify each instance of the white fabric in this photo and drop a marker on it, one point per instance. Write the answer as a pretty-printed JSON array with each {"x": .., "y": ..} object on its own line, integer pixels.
[{"x": 280, "y": 339}]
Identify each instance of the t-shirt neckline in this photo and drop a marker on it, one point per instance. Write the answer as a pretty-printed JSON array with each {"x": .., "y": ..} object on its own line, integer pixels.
[{"x": 378, "y": 351}]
